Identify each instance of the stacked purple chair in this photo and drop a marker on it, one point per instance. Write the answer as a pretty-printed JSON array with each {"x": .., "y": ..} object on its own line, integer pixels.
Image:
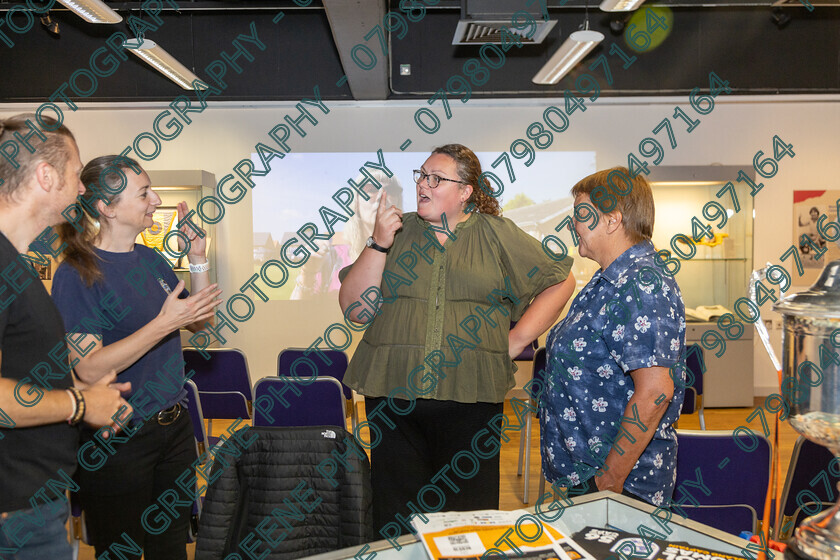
[
  {"x": 224, "y": 384},
  {"x": 734, "y": 468}
]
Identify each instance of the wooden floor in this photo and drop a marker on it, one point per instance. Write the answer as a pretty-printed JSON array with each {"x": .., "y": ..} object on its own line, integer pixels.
[{"x": 511, "y": 485}]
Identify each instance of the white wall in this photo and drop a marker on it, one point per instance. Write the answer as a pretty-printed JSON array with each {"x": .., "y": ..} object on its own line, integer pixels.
[{"x": 223, "y": 134}]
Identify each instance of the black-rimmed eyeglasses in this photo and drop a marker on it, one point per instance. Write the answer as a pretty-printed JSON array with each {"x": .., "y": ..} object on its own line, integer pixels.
[{"x": 433, "y": 180}]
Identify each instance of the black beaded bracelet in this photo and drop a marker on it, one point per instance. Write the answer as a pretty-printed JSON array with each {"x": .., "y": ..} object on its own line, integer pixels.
[{"x": 79, "y": 413}]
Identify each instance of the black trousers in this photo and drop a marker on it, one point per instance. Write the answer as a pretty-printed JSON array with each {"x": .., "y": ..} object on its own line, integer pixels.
[
  {"x": 115, "y": 496},
  {"x": 590, "y": 487},
  {"x": 422, "y": 447}
]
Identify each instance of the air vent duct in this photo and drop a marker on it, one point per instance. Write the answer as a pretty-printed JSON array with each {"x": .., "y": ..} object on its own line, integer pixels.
[{"x": 482, "y": 20}]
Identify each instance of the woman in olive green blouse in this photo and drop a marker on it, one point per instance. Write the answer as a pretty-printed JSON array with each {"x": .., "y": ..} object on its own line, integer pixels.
[{"x": 435, "y": 362}]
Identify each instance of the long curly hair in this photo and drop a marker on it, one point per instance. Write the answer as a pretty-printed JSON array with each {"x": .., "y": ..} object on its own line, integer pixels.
[{"x": 469, "y": 170}]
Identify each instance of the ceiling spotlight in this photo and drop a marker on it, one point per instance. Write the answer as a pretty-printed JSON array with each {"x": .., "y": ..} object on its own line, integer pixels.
[
  {"x": 50, "y": 25},
  {"x": 617, "y": 24},
  {"x": 780, "y": 18}
]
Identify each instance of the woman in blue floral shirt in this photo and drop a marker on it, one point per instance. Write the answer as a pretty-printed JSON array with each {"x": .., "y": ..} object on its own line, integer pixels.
[{"x": 610, "y": 398}]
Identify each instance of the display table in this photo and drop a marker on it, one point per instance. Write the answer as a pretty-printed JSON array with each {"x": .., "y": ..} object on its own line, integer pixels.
[{"x": 603, "y": 509}]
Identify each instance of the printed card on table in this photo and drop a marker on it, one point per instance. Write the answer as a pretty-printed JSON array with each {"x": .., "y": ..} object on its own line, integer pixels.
[
  {"x": 471, "y": 534},
  {"x": 607, "y": 543}
]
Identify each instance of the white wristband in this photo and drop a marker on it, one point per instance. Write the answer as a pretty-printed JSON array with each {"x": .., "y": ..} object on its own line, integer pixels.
[
  {"x": 197, "y": 268},
  {"x": 73, "y": 401}
]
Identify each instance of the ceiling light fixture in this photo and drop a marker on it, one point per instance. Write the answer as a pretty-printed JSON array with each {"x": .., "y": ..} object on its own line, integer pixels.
[
  {"x": 572, "y": 51},
  {"x": 620, "y": 5},
  {"x": 93, "y": 11},
  {"x": 163, "y": 62}
]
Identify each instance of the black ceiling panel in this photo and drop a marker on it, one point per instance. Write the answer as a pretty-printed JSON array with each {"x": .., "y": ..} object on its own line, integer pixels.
[
  {"x": 741, "y": 45},
  {"x": 299, "y": 54}
]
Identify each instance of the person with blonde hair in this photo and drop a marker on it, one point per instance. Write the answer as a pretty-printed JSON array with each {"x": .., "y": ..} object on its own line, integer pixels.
[
  {"x": 417, "y": 357},
  {"x": 610, "y": 401}
]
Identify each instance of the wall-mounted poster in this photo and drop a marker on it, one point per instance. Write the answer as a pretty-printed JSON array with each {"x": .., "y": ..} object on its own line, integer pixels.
[{"x": 815, "y": 251}]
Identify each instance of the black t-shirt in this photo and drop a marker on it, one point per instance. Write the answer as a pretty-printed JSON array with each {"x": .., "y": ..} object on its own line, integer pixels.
[{"x": 31, "y": 329}]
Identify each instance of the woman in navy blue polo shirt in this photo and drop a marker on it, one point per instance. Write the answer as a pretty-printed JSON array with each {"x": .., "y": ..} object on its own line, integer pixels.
[
  {"x": 138, "y": 337},
  {"x": 610, "y": 400}
]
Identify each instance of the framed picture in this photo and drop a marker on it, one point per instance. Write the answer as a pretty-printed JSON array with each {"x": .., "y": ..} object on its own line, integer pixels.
[
  {"x": 815, "y": 251},
  {"x": 165, "y": 219}
]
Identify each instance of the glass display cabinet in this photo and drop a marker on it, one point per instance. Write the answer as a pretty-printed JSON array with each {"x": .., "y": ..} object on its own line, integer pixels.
[{"x": 711, "y": 201}]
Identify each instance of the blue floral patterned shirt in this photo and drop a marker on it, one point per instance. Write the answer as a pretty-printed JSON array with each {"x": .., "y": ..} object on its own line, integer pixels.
[{"x": 627, "y": 317}]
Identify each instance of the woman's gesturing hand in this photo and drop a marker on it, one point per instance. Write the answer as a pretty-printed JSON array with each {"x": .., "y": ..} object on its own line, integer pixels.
[
  {"x": 388, "y": 222},
  {"x": 197, "y": 236},
  {"x": 178, "y": 313}
]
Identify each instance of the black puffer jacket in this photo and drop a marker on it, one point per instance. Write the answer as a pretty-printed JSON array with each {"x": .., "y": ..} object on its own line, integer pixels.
[{"x": 293, "y": 491}]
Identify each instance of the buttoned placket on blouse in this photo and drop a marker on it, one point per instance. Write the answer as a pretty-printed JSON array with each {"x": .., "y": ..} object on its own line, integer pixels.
[{"x": 437, "y": 304}]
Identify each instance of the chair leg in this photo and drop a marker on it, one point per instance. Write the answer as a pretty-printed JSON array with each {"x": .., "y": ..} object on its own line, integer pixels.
[
  {"x": 527, "y": 440},
  {"x": 354, "y": 416},
  {"x": 700, "y": 410},
  {"x": 542, "y": 482},
  {"x": 521, "y": 446},
  {"x": 702, "y": 420},
  {"x": 75, "y": 530}
]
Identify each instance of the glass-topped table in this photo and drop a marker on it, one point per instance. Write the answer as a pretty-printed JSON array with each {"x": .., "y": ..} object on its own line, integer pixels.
[{"x": 603, "y": 509}]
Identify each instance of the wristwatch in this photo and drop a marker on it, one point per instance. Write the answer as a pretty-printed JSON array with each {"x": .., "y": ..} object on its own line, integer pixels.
[{"x": 371, "y": 242}]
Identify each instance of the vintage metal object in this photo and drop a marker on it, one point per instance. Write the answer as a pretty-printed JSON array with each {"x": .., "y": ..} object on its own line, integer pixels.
[{"x": 812, "y": 321}]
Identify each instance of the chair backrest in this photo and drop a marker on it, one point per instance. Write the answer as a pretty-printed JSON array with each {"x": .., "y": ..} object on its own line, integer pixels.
[
  {"x": 538, "y": 375},
  {"x": 303, "y": 363},
  {"x": 810, "y": 485},
  {"x": 287, "y": 482},
  {"x": 540, "y": 364},
  {"x": 290, "y": 401},
  {"x": 197, "y": 417},
  {"x": 223, "y": 381},
  {"x": 695, "y": 365},
  {"x": 695, "y": 362},
  {"x": 735, "y": 478}
]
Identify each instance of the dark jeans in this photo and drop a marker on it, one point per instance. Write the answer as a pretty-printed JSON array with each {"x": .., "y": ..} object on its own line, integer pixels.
[
  {"x": 43, "y": 541},
  {"x": 423, "y": 445},
  {"x": 115, "y": 497}
]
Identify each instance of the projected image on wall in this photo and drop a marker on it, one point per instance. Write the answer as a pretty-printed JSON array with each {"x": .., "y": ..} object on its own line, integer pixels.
[{"x": 291, "y": 194}]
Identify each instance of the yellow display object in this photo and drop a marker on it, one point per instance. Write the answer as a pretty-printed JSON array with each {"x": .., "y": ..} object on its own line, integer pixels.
[
  {"x": 154, "y": 235},
  {"x": 714, "y": 242}
]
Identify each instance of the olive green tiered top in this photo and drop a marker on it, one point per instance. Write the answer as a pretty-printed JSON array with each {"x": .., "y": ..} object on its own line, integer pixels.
[{"x": 436, "y": 299}]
